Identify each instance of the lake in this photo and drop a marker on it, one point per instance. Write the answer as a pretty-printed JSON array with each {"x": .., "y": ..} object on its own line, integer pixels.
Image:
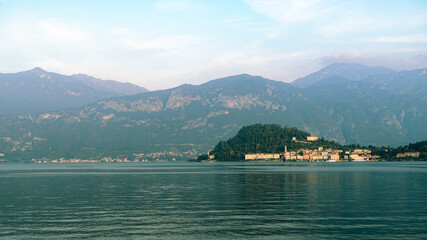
[{"x": 365, "y": 200}]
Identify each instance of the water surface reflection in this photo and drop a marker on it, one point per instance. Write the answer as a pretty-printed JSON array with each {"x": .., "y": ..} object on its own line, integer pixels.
[{"x": 194, "y": 201}]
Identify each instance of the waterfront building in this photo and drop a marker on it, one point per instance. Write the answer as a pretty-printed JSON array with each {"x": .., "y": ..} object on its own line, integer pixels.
[{"x": 262, "y": 156}]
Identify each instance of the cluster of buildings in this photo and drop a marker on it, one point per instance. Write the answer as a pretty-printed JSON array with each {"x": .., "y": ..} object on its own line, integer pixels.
[
  {"x": 316, "y": 155},
  {"x": 78, "y": 160},
  {"x": 163, "y": 156},
  {"x": 102, "y": 160},
  {"x": 408, "y": 154},
  {"x": 360, "y": 154}
]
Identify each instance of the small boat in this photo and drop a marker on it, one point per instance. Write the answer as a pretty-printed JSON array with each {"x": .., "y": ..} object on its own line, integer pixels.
[{"x": 359, "y": 160}]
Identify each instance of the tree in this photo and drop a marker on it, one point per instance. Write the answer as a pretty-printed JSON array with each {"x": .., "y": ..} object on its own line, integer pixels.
[{"x": 202, "y": 157}]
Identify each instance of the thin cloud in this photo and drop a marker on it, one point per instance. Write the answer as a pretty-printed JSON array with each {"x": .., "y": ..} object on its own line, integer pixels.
[
  {"x": 405, "y": 62},
  {"x": 354, "y": 56},
  {"x": 414, "y": 38},
  {"x": 332, "y": 19}
]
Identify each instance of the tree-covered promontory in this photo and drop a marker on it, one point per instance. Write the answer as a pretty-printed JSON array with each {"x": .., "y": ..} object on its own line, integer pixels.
[
  {"x": 266, "y": 138},
  {"x": 272, "y": 138}
]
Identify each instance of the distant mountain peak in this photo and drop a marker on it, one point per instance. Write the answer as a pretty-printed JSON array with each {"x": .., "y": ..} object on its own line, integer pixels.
[
  {"x": 240, "y": 78},
  {"x": 350, "y": 71},
  {"x": 38, "y": 70}
]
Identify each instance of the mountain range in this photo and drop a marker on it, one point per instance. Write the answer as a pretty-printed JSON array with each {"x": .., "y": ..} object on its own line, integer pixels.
[
  {"x": 37, "y": 90},
  {"x": 374, "y": 109}
]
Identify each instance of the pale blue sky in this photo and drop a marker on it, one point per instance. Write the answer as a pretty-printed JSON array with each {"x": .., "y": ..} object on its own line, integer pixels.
[{"x": 162, "y": 44}]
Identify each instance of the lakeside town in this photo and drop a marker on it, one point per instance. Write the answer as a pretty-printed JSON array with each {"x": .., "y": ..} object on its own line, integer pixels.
[{"x": 320, "y": 155}]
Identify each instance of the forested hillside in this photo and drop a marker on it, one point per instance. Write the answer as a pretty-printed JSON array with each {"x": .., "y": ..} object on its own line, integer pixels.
[{"x": 266, "y": 138}]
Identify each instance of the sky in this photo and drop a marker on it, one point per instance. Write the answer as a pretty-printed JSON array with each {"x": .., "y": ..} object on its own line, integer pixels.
[{"x": 163, "y": 44}]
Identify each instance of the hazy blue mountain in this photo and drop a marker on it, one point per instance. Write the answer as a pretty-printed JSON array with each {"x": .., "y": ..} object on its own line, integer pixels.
[
  {"x": 350, "y": 71},
  {"x": 412, "y": 83},
  {"x": 37, "y": 91},
  {"x": 196, "y": 117},
  {"x": 366, "y": 113},
  {"x": 109, "y": 85}
]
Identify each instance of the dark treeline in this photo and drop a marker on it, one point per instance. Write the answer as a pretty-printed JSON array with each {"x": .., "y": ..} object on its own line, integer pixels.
[{"x": 390, "y": 153}]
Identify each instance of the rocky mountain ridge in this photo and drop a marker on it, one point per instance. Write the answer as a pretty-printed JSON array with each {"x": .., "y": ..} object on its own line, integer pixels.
[{"x": 196, "y": 117}]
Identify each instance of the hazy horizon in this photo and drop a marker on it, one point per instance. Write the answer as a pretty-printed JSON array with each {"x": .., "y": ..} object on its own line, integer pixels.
[{"x": 163, "y": 44}]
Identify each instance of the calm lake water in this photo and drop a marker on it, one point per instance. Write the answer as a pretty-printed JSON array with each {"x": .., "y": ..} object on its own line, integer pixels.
[{"x": 214, "y": 201}]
